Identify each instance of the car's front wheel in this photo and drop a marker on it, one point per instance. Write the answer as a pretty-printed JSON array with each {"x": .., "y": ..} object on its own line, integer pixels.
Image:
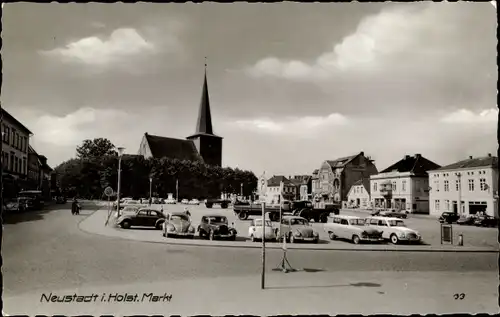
[
  {"x": 126, "y": 224},
  {"x": 159, "y": 225},
  {"x": 356, "y": 239},
  {"x": 332, "y": 235},
  {"x": 242, "y": 215},
  {"x": 394, "y": 239}
]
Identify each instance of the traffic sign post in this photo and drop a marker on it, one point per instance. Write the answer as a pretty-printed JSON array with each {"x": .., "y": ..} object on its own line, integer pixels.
[
  {"x": 108, "y": 191},
  {"x": 263, "y": 203}
]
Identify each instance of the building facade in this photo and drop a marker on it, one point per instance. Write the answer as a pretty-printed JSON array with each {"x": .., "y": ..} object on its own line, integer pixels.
[
  {"x": 359, "y": 194},
  {"x": 465, "y": 187},
  {"x": 304, "y": 186},
  {"x": 335, "y": 178},
  {"x": 403, "y": 185},
  {"x": 203, "y": 146},
  {"x": 15, "y": 144},
  {"x": 273, "y": 192}
]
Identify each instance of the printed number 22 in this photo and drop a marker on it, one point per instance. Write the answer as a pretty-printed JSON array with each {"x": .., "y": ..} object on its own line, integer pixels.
[{"x": 459, "y": 296}]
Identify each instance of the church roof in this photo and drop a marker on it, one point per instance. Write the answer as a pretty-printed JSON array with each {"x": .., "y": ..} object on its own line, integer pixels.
[
  {"x": 204, "y": 122},
  {"x": 172, "y": 148}
]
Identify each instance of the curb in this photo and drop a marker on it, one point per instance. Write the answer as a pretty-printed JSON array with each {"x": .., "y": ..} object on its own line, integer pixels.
[{"x": 248, "y": 245}]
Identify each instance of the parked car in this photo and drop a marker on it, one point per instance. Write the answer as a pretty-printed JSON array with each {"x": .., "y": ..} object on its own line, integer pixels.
[
  {"x": 178, "y": 224},
  {"x": 33, "y": 199},
  {"x": 61, "y": 200},
  {"x": 393, "y": 229},
  {"x": 256, "y": 228},
  {"x": 194, "y": 202},
  {"x": 352, "y": 228},
  {"x": 170, "y": 201},
  {"x": 486, "y": 221},
  {"x": 143, "y": 217},
  {"x": 130, "y": 209},
  {"x": 216, "y": 227},
  {"x": 449, "y": 217},
  {"x": 132, "y": 203},
  {"x": 466, "y": 220},
  {"x": 393, "y": 213},
  {"x": 184, "y": 201},
  {"x": 296, "y": 229}
]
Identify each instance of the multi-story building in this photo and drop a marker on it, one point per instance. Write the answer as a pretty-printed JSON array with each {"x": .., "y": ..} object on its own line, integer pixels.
[
  {"x": 304, "y": 186},
  {"x": 39, "y": 173},
  {"x": 315, "y": 188},
  {"x": 359, "y": 194},
  {"x": 336, "y": 177},
  {"x": 403, "y": 185},
  {"x": 15, "y": 138},
  {"x": 273, "y": 193},
  {"x": 465, "y": 187}
]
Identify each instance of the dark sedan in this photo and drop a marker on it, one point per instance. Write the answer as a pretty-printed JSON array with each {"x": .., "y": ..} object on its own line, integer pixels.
[
  {"x": 448, "y": 217},
  {"x": 142, "y": 218},
  {"x": 486, "y": 221}
]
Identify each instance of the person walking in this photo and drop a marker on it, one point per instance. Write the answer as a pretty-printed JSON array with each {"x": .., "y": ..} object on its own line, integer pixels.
[{"x": 75, "y": 207}]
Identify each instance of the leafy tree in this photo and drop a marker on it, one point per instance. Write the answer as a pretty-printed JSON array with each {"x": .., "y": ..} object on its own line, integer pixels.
[{"x": 95, "y": 149}]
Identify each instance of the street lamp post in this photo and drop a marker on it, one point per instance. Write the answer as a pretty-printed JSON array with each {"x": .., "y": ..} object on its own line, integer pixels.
[
  {"x": 120, "y": 154},
  {"x": 150, "y": 188},
  {"x": 241, "y": 191}
]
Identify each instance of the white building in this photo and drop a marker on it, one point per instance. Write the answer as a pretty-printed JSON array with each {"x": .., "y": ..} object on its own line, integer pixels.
[
  {"x": 359, "y": 194},
  {"x": 403, "y": 185},
  {"x": 273, "y": 193},
  {"x": 467, "y": 187}
]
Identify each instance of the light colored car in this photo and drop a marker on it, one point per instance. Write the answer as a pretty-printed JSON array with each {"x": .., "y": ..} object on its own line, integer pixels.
[
  {"x": 351, "y": 228},
  {"x": 132, "y": 203},
  {"x": 170, "y": 201},
  {"x": 184, "y": 201},
  {"x": 130, "y": 209},
  {"x": 297, "y": 229},
  {"x": 178, "y": 224},
  {"x": 194, "y": 202},
  {"x": 255, "y": 230},
  {"x": 393, "y": 229}
]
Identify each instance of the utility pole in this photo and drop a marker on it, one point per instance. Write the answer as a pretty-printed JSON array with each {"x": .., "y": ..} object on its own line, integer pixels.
[
  {"x": 120, "y": 153},
  {"x": 459, "y": 202},
  {"x": 150, "y": 188}
]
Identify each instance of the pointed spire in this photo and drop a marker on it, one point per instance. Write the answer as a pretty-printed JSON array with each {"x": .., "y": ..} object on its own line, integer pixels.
[{"x": 204, "y": 124}]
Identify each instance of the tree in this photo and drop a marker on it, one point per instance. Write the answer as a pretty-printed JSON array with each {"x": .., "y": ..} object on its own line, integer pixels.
[{"x": 96, "y": 148}]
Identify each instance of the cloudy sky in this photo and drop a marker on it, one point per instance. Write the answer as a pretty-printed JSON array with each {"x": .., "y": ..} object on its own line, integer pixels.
[{"x": 290, "y": 84}]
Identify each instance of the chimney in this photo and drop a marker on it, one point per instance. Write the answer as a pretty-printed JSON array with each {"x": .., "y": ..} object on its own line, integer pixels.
[
  {"x": 489, "y": 154},
  {"x": 470, "y": 157},
  {"x": 362, "y": 153},
  {"x": 407, "y": 157},
  {"x": 418, "y": 155}
]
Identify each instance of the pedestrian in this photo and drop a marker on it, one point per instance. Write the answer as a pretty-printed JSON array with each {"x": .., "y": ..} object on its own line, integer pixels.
[
  {"x": 74, "y": 206},
  {"x": 186, "y": 211}
]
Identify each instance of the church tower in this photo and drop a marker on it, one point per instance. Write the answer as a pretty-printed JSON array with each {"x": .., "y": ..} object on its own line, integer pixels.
[{"x": 207, "y": 143}]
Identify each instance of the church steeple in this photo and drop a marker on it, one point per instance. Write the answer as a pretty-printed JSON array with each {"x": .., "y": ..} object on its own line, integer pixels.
[{"x": 204, "y": 124}]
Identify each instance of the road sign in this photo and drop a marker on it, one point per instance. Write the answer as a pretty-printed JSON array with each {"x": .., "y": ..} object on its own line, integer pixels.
[{"x": 108, "y": 191}]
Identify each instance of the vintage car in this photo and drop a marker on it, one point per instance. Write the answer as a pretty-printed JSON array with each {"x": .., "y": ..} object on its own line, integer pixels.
[
  {"x": 31, "y": 199},
  {"x": 216, "y": 227},
  {"x": 255, "y": 231},
  {"x": 485, "y": 221},
  {"x": 466, "y": 220},
  {"x": 393, "y": 229},
  {"x": 143, "y": 217},
  {"x": 132, "y": 203},
  {"x": 170, "y": 201},
  {"x": 194, "y": 202},
  {"x": 393, "y": 213},
  {"x": 185, "y": 201},
  {"x": 352, "y": 228},
  {"x": 449, "y": 217},
  {"x": 178, "y": 224},
  {"x": 296, "y": 229},
  {"x": 130, "y": 209}
]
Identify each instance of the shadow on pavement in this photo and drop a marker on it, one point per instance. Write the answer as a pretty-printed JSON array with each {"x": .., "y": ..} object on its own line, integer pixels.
[{"x": 360, "y": 284}]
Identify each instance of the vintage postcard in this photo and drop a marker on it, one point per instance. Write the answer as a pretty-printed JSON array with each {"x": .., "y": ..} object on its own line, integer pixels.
[{"x": 239, "y": 158}]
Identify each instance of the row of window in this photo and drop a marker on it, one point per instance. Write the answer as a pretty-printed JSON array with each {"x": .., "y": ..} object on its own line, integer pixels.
[
  {"x": 393, "y": 186},
  {"x": 482, "y": 185},
  {"x": 14, "y": 139},
  {"x": 285, "y": 189},
  {"x": 447, "y": 204},
  {"x": 468, "y": 173},
  {"x": 13, "y": 163}
]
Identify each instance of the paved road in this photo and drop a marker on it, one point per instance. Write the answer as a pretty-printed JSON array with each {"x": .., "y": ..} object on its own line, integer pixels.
[{"x": 45, "y": 251}]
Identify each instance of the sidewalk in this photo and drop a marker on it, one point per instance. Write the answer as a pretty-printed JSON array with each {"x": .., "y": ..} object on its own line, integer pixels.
[
  {"x": 292, "y": 293},
  {"x": 95, "y": 224}
]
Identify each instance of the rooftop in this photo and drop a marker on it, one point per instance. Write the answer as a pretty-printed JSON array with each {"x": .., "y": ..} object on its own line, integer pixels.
[
  {"x": 486, "y": 161},
  {"x": 416, "y": 164},
  {"x": 276, "y": 180},
  {"x": 173, "y": 148}
]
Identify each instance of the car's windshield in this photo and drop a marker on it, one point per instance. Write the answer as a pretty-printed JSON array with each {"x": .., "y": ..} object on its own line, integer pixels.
[
  {"x": 300, "y": 222},
  {"x": 396, "y": 223},
  {"x": 258, "y": 223},
  {"x": 218, "y": 219},
  {"x": 179, "y": 218},
  {"x": 357, "y": 222}
]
